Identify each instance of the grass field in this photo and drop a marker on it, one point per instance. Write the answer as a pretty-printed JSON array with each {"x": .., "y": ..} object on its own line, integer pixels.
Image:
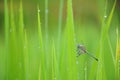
[{"x": 27, "y": 54}]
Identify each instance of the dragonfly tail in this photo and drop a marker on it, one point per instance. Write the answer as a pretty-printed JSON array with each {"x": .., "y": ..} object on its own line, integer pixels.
[{"x": 92, "y": 56}]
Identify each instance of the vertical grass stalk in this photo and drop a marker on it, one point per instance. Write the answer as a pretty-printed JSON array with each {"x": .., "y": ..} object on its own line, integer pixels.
[
  {"x": 54, "y": 63},
  {"x": 71, "y": 55},
  {"x": 60, "y": 27},
  {"x": 20, "y": 39},
  {"x": 60, "y": 20},
  {"x": 104, "y": 33},
  {"x": 117, "y": 68},
  {"x": 42, "y": 55},
  {"x": 46, "y": 23},
  {"x": 6, "y": 24},
  {"x": 26, "y": 57},
  {"x": 46, "y": 18}
]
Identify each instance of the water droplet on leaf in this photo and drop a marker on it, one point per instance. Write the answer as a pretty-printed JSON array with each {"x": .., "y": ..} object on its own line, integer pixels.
[
  {"x": 39, "y": 10},
  {"x": 105, "y": 16}
]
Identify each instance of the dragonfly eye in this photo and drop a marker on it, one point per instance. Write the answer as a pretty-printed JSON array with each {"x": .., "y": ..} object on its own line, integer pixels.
[{"x": 82, "y": 48}]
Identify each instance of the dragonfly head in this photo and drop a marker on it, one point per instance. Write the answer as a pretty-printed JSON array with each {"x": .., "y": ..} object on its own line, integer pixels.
[{"x": 82, "y": 48}]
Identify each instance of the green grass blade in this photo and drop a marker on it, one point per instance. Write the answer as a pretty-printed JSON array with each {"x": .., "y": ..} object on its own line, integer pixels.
[
  {"x": 111, "y": 49},
  {"x": 6, "y": 23},
  {"x": 39, "y": 30},
  {"x": 60, "y": 26},
  {"x": 102, "y": 72},
  {"x": 71, "y": 55},
  {"x": 46, "y": 24},
  {"x": 42, "y": 55},
  {"x": 26, "y": 57},
  {"x": 54, "y": 63},
  {"x": 20, "y": 40},
  {"x": 117, "y": 68},
  {"x": 110, "y": 17},
  {"x": 46, "y": 17},
  {"x": 39, "y": 73},
  {"x": 21, "y": 23},
  {"x": 60, "y": 19},
  {"x": 12, "y": 46}
]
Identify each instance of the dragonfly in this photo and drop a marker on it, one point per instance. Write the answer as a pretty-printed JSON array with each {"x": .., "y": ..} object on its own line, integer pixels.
[{"x": 82, "y": 50}]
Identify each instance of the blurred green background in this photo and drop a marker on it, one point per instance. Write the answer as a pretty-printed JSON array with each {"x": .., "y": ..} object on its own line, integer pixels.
[{"x": 85, "y": 12}]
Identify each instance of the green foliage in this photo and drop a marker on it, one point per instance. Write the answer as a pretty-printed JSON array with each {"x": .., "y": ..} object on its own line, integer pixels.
[
  {"x": 44, "y": 57},
  {"x": 104, "y": 62},
  {"x": 117, "y": 61}
]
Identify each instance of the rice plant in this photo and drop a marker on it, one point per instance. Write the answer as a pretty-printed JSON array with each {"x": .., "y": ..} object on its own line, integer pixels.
[{"x": 45, "y": 55}]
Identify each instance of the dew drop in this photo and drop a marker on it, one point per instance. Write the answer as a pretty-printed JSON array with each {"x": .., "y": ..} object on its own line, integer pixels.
[
  {"x": 105, "y": 16},
  {"x": 39, "y": 10}
]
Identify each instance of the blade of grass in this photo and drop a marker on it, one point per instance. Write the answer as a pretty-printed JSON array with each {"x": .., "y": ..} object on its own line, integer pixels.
[
  {"x": 63, "y": 60},
  {"x": 21, "y": 40},
  {"x": 111, "y": 49},
  {"x": 14, "y": 63},
  {"x": 60, "y": 20},
  {"x": 54, "y": 63},
  {"x": 60, "y": 28},
  {"x": 110, "y": 17},
  {"x": 42, "y": 55},
  {"x": 39, "y": 30},
  {"x": 46, "y": 18},
  {"x": 46, "y": 33},
  {"x": 85, "y": 70},
  {"x": 12, "y": 46},
  {"x": 26, "y": 56},
  {"x": 117, "y": 68},
  {"x": 21, "y": 23},
  {"x": 39, "y": 73},
  {"x": 71, "y": 55},
  {"x": 105, "y": 27},
  {"x": 46, "y": 25},
  {"x": 6, "y": 24}
]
